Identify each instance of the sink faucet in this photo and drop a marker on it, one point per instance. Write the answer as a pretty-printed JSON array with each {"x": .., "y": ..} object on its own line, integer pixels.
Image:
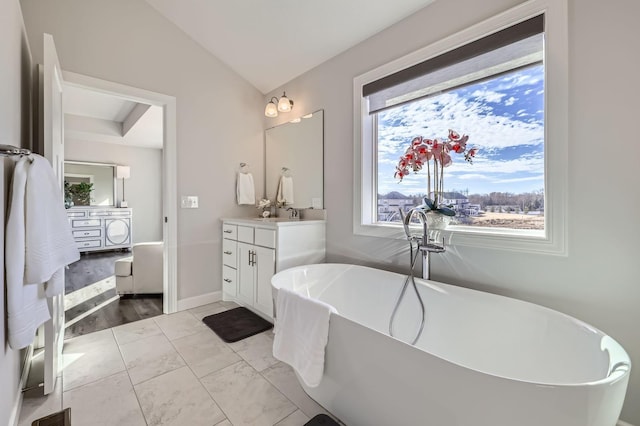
[{"x": 293, "y": 213}]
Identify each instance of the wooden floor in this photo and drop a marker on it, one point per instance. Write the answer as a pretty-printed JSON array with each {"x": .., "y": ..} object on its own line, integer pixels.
[
  {"x": 110, "y": 312},
  {"x": 91, "y": 302}
]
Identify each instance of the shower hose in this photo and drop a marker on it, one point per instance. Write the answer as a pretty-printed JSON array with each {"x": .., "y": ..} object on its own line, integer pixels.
[{"x": 413, "y": 256}]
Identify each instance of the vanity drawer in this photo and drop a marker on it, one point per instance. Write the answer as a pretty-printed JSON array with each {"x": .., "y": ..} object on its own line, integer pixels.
[
  {"x": 87, "y": 233},
  {"x": 111, "y": 212},
  {"x": 229, "y": 281},
  {"x": 265, "y": 238},
  {"x": 73, "y": 214},
  {"x": 229, "y": 231},
  {"x": 245, "y": 234},
  {"x": 229, "y": 253},
  {"x": 88, "y": 244},
  {"x": 85, "y": 223}
]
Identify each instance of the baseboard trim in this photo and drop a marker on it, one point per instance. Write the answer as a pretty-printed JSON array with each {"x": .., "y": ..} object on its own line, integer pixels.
[
  {"x": 204, "y": 299},
  {"x": 17, "y": 406},
  {"x": 621, "y": 423}
]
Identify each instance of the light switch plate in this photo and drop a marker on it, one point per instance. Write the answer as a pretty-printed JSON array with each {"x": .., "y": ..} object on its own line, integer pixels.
[{"x": 189, "y": 202}]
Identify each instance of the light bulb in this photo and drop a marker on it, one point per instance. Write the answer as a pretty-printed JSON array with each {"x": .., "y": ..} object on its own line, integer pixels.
[
  {"x": 284, "y": 104},
  {"x": 270, "y": 110}
]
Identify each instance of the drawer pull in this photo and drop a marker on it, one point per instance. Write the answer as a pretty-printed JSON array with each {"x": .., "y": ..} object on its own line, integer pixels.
[
  {"x": 86, "y": 233},
  {"x": 227, "y": 280},
  {"x": 228, "y": 252},
  {"x": 228, "y": 231}
]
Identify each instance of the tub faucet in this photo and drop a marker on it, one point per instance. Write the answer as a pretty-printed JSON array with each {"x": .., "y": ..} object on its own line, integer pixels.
[{"x": 422, "y": 242}]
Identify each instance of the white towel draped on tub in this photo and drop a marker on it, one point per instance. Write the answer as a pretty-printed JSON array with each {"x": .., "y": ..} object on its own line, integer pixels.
[
  {"x": 302, "y": 331},
  {"x": 285, "y": 190},
  {"x": 245, "y": 189},
  {"x": 38, "y": 245}
]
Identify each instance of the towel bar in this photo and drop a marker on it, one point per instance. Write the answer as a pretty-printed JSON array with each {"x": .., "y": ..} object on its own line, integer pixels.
[{"x": 7, "y": 150}]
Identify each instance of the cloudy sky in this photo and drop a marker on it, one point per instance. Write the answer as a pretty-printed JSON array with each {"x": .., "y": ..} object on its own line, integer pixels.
[{"x": 503, "y": 117}]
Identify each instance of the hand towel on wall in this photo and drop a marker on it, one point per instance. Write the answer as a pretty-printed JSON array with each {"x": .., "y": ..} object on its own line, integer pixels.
[
  {"x": 49, "y": 240},
  {"x": 26, "y": 304},
  {"x": 245, "y": 189},
  {"x": 285, "y": 190},
  {"x": 302, "y": 332}
]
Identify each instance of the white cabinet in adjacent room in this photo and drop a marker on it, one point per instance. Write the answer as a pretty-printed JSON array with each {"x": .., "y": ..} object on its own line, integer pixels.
[
  {"x": 100, "y": 228},
  {"x": 254, "y": 250}
]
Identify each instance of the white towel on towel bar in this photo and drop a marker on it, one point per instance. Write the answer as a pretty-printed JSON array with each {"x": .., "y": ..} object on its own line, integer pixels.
[
  {"x": 245, "y": 189},
  {"x": 302, "y": 332},
  {"x": 26, "y": 299},
  {"x": 285, "y": 190},
  {"x": 26, "y": 304},
  {"x": 49, "y": 244}
]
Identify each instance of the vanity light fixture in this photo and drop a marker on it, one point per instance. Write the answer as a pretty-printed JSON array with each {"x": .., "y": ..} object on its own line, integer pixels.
[{"x": 283, "y": 104}]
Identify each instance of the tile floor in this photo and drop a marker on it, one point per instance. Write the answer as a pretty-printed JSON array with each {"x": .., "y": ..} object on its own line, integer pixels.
[{"x": 173, "y": 370}]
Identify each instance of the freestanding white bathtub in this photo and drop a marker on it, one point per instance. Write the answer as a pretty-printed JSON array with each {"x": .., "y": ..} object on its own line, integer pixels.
[{"x": 482, "y": 359}]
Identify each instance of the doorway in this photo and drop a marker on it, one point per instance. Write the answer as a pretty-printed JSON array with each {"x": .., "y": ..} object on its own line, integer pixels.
[{"x": 142, "y": 104}]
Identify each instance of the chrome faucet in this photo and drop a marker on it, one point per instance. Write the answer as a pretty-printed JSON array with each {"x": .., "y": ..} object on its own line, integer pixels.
[
  {"x": 422, "y": 241},
  {"x": 293, "y": 213}
]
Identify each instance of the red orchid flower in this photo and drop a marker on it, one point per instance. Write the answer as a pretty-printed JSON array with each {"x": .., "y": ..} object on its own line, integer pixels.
[{"x": 445, "y": 160}]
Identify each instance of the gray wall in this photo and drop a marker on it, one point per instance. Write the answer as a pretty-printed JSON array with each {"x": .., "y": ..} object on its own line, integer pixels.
[
  {"x": 219, "y": 114},
  {"x": 143, "y": 190},
  {"x": 15, "y": 116},
  {"x": 598, "y": 281}
]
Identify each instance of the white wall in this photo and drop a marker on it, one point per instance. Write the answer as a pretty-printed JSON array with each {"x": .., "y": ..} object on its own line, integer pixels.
[
  {"x": 15, "y": 116},
  {"x": 219, "y": 115},
  {"x": 143, "y": 190},
  {"x": 598, "y": 281}
]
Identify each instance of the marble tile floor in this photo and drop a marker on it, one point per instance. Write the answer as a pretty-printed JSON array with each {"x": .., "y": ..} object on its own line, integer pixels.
[{"x": 173, "y": 370}]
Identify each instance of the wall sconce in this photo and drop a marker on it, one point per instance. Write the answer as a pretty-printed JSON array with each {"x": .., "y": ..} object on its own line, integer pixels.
[
  {"x": 123, "y": 172},
  {"x": 284, "y": 104}
]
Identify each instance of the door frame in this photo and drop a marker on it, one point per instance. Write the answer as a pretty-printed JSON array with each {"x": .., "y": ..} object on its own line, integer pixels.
[{"x": 169, "y": 170}]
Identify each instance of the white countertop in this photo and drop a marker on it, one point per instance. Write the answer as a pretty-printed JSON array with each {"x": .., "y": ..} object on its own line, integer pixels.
[{"x": 270, "y": 222}]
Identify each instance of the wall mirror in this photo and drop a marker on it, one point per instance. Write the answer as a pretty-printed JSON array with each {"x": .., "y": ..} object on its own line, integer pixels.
[
  {"x": 294, "y": 150},
  {"x": 101, "y": 175}
]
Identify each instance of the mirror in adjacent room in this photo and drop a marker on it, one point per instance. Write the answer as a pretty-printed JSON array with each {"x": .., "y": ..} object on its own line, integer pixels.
[
  {"x": 90, "y": 184},
  {"x": 294, "y": 162}
]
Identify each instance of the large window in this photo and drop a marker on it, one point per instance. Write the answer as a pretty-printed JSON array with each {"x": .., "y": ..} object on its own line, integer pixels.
[
  {"x": 504, "y": 116},
  {"x": 502, "y": 82}
]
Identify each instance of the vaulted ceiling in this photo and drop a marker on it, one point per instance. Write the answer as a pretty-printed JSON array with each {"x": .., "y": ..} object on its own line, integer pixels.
[{"x": 270, "y": 42}]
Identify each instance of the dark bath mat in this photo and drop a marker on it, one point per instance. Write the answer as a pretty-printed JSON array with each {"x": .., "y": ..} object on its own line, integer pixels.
[
  {"x": 61, "y": 418},
  {"x": 321, "y": 420},
  {"x": 236, "y": 324}
]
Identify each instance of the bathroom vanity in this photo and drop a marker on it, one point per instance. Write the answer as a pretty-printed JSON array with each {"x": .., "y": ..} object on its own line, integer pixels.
[{"x": 253, "y": 250}]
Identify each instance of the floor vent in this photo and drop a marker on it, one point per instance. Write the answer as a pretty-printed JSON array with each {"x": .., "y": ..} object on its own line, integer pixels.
[{"x": 61, "y": 418}]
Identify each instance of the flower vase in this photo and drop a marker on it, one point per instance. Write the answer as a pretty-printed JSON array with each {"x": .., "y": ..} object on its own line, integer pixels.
[
  {"x": 437, "y": 221},
  {"x": 266, "y": 214}
]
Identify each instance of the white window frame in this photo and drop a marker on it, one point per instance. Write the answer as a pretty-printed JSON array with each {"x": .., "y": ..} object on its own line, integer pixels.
[{"x": 554, "y": 239}]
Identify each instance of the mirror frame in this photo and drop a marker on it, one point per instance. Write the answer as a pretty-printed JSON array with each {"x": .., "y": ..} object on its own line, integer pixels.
[
  {"x": 90, "y": 163},
  {"x": 322, "y": 152}
]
